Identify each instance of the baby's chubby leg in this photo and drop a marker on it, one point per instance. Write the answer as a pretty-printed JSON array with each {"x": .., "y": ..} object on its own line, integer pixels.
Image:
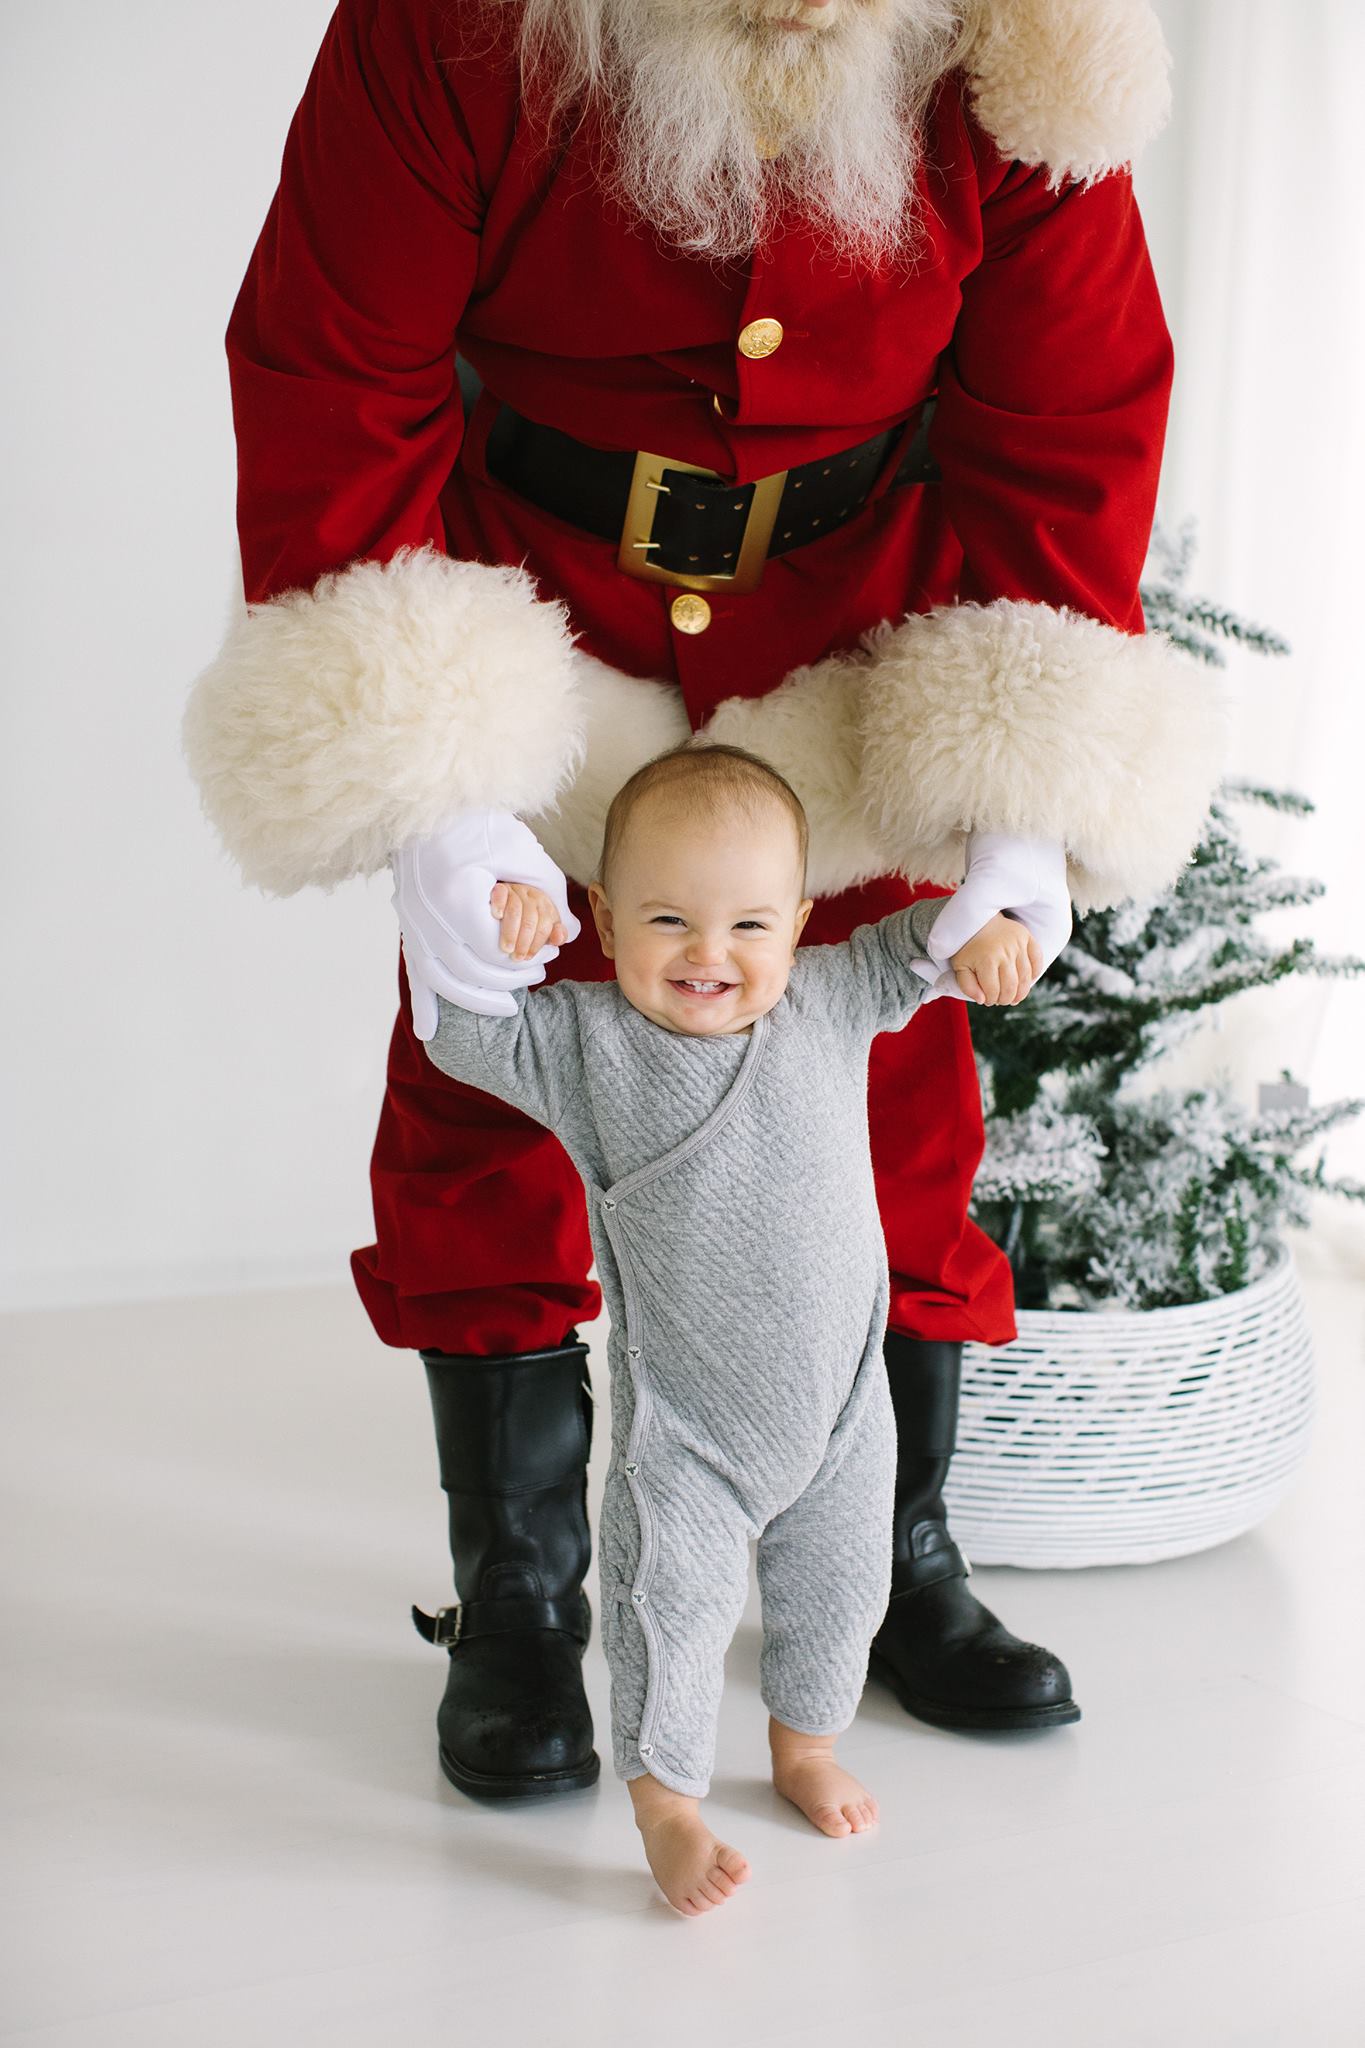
[
  {"x": 824, "y": 1573},
  {"x": 805, "y": 1771},
  {"x": 692, "y": 1867},
  {"x": 665, "y": 1633}
]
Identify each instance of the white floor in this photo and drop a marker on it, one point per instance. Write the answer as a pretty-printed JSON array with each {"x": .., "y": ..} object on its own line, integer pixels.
[{"x": 225, "y": 1822}]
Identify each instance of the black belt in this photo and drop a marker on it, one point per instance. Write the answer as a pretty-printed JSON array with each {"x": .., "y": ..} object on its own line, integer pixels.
[{"x": 677, "y": 523}]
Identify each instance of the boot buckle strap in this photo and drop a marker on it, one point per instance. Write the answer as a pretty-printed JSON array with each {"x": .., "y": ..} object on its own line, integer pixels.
[
  {"x": 447, "y": 1630},
  {"x": 441, "y": 1628},
  {"x": 910, "y": 1574},
  {"x": 516, "y": 1616}
]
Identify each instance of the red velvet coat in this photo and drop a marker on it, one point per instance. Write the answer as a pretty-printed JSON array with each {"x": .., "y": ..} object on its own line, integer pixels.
[{"x": 418, "y": 209}]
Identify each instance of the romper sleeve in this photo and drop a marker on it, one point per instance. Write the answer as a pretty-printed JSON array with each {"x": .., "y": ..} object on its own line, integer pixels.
[
  {"x": 878, "y": 977},
  {"x": 532, "y": 1060}
]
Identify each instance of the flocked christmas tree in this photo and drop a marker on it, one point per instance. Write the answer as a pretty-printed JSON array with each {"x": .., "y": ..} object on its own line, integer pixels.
[{"x": 1099, "y": 1194}]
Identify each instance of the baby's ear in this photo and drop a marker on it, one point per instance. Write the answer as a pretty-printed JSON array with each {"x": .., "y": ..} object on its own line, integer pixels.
[
  {"x": 602, "y": 918},
  {"x": 803, "y": 911}
]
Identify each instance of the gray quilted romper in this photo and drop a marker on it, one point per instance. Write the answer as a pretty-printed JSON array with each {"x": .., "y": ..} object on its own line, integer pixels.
[{"x": 740, "y": 1251}]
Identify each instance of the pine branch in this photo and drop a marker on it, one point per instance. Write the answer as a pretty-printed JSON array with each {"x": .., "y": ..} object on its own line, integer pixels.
[
  {"x": 1287, "y": 800},
  {"x": 1316, "y": 1181},
  {"x": 1333, "y": 966},
  {"x": 1295, "y": 1128},
  {"x": 1215, "y": 618},
  {"x": 1190, "y": 642}
]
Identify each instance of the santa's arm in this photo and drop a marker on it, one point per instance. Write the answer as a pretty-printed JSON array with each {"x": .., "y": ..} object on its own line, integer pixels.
[
  {"x": 370, "y": 687},
  {"x": 1036, "y": 706}
]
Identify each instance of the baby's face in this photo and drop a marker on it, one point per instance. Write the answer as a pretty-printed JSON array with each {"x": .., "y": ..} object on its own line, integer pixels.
[{"x": 704, "y": 915}]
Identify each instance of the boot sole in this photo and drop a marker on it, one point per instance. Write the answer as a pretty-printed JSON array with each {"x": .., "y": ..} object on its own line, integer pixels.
[
  {"x": 976, "y": 1720},
  {"x": 527, "y": 1785}
]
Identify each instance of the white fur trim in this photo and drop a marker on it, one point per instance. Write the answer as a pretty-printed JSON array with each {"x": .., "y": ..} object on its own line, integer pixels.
[
  {"x": 1013, "y": 717},
  {"x": 339, "y": 722},
  {"x": 628, "y": 720},
  {"x": 1078, "y": 85},
  {"x": 1007, "y": 717},
  {"x": 808, "y": 730}
]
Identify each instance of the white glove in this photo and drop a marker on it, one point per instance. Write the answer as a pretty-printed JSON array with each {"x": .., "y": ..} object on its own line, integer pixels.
[
  {"x": 451, "y": 942},
  {"x": 1025, "y": 877}
]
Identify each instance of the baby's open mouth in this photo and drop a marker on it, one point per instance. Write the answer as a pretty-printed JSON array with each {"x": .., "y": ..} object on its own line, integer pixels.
[{"x": 702, "y": 988}]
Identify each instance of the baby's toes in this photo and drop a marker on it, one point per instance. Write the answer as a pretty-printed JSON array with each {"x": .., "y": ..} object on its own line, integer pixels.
[
  {"x": 832, "y": 1821},
  {"x": 734, "y": 1866}
]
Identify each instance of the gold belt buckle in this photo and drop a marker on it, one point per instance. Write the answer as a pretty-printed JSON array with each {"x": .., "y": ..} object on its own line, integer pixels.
[{"x": 637, "y": 532}]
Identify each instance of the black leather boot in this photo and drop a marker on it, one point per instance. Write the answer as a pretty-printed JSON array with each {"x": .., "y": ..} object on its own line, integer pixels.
[
  {"x": 512, "y": 1436},
  {"x": 945, "y": 1656}
]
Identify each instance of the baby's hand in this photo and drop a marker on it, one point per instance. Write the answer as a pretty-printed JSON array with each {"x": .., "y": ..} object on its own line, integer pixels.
[
  {"x": 528, "y": 917},
  {"x": 1000, "y": 963}
]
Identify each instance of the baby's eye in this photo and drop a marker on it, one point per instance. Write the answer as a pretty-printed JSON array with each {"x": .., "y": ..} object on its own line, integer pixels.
[
  {"x": 751, "y": 924},
  {"x": 665, "y": 917}
]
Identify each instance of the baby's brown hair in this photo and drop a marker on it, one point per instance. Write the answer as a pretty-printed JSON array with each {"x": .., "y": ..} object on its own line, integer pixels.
[{"x": 718, "y": 778}]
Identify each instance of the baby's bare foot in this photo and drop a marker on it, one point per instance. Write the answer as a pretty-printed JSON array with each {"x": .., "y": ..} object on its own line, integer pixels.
[
  {"x": 805, "y": 1772},
  {"x": 692, "y": 1868}
]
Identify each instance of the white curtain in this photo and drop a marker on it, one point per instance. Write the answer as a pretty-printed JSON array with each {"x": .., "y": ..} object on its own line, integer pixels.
[{"x": 1253, "y": 210}]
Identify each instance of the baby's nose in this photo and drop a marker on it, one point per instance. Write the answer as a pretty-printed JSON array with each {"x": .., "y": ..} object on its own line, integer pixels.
[{"x": 706, "y": 951}]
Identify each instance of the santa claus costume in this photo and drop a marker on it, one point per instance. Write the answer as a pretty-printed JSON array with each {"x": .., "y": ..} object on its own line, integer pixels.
[{"x": 872, "y": 504}]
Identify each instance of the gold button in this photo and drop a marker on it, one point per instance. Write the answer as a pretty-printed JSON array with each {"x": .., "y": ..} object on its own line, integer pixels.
[
  {"x": 760, "y": 338},
  {"x": 767, "y": 148},
  {"x": 690, "y": 614}
]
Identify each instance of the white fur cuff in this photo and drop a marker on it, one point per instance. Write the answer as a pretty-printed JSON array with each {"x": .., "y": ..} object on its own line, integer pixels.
[
  {"x": 339, "y": 722},
  {"x": 1017, "y": 718}
]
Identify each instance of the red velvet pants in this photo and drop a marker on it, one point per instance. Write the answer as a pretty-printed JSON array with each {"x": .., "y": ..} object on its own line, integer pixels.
[{"x": 482, "y": 1226}]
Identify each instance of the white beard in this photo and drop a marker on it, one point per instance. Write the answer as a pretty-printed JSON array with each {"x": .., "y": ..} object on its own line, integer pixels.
[{"x": 722, "y": 121}]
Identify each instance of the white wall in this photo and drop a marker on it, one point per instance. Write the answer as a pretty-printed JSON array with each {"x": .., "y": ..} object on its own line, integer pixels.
[
  {"x": 192, "y": 1073},
  {"x": 1260, "y": 251}
]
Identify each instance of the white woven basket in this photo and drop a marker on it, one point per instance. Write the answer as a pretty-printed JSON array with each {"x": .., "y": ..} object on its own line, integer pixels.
[{"x": 1117, "y": 1436}]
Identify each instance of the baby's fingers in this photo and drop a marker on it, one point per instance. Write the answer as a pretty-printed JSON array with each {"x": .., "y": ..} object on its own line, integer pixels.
[
  {"x": 970, "y": 986},
  {"x": 530, "y": 920},
  {"x": 1027, "y": 964},
  {"x": 513, "y": 914},
  {"x": 988, "y": 979},
  {"x": 541, "y": 924}
]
